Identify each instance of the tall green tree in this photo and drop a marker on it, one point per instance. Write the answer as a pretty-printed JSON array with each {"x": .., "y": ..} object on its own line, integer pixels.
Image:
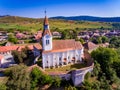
[
  {"x": 19, "y": 78},
  {"x": 65, "y": 34},
  {"x": 104, "y": 56},
  {"x": 35, "y": 77},
  {"x": 115, "y": 42}
]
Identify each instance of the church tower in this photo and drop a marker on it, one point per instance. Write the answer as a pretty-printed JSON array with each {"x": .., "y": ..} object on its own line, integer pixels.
[{"x": 46, "y": 35}]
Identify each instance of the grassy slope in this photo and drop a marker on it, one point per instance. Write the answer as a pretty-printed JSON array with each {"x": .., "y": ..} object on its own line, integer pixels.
[{"x": 31, "y": 24}]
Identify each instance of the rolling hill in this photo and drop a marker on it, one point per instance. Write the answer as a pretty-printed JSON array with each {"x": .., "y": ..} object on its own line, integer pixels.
[
  {"x": 89, "y": 18},
  {"x": 11, "y": 23}
]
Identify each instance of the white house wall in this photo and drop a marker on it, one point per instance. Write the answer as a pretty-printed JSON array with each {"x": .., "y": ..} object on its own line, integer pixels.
[{"x": 7, "y": 60}]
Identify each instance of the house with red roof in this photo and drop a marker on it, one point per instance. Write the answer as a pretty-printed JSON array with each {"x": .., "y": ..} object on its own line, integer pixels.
[
  {"x": 20, "y": 35},
  {"x": 90, "y": 46},
  {"x": 57, "y": 53},
  {"x": 38, "y": 36},
  {"x": 6, "y": 57}
]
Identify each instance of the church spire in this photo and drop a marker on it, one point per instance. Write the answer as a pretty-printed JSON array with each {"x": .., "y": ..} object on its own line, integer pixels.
[
  {"x": 45, "y": 12},
  {"x": 46, "y": 35},
  {"x": 46, "y": 29},
  {"x": 46, "y": 19}
]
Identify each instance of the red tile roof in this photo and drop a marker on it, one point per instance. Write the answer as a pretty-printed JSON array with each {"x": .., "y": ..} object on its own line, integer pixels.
[
  {"x": 38, "y": 35},
  {"x": 19, "y": 47},
  {"x": 64, "y": 45},
  {"x": 90, "y": 45}
]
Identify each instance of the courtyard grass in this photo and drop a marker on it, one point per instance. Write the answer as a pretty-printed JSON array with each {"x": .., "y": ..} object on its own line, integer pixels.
[{"x": 66, "y": 68}]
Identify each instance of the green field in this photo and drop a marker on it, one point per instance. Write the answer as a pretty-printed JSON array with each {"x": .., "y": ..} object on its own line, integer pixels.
[
  {"x": 67, "y": 68},
  {"x": 30, "y": 24}
]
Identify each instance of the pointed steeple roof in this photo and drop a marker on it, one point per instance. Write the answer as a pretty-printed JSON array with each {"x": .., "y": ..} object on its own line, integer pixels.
[
  {"x": 46, "y": 29},
  {"x": 46, "y": 21}
]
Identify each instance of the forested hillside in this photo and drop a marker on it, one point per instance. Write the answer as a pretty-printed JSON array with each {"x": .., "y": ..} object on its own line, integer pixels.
[{"x": 90, "y": 18}]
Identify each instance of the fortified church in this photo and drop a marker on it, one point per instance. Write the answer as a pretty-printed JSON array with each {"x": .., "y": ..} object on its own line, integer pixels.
[{"x": 57, "y": 53}]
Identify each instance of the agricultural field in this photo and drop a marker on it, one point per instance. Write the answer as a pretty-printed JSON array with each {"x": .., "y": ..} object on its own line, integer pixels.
[{"x": 11, "y": 23}]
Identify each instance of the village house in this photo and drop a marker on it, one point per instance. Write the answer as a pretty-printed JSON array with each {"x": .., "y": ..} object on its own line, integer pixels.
[
  {"x": 90, "y": 46},
  {"x": 3, "y": 36},
  {"x": 20, "y": 36},
  {"x": 59, "y": 52},
  {"x": 38, "y": 36},
  {"x": 56, "y": 34},
  {"x": 6, "y": 57}
]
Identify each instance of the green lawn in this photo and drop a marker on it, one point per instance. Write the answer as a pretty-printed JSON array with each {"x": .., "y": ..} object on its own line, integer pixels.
[{"x": 66, "y": 68}]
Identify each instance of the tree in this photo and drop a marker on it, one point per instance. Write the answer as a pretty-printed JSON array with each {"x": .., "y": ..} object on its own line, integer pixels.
[
  {"x": 38, "y": 77},
  {"x": 96, "y": 69},
  {"x": 19, "y": 56},
  {"x": 87, "y": 76},
  {"x": 65, "y": 34},
  {"x": 104, "y": 39},
  {"x": 46, "y": 79},
  {"x": 116, "y": 65},
  {"x": 115, "y": 42},
  {"x": 104, "y": 84},
  {"x": 22, "y": 56},
  {"x": 3, "y": 87},
  {"x": 57, "y": 81},
  {"x": 87, "y": 85},
  {"x": 82, "y": 40},
  {"x": 35, "y": 77},
  {"x": 104, "y": 56},
  {"x": 96, "y": 40},
  {"x": 12, "y": 38},
  {"x": 70, "y": 88},
  {"x": 74, "y": 35},
  {"x": 19, "y": 78},
  {"x": 99, "y": 40}
]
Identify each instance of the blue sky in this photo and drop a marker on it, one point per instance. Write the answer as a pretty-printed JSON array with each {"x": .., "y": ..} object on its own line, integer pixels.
[{"x": 35, "y": 8}]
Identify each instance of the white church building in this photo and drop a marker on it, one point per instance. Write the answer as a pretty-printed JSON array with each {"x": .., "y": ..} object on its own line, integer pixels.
[{"x": 57, "y": 53}]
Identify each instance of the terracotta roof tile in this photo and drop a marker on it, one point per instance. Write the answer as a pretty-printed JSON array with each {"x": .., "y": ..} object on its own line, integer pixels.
[
  {"x": 90, "y": 45},
  {"x": 64, "y": 45},
  {"x": 19, "y": 47}
]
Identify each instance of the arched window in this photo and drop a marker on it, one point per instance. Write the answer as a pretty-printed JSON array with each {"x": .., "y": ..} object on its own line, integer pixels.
[{"x": 47, "y": 42}]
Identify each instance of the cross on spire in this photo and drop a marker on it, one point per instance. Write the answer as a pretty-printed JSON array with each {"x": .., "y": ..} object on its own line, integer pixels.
[{"x": 45, "y": 12}]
